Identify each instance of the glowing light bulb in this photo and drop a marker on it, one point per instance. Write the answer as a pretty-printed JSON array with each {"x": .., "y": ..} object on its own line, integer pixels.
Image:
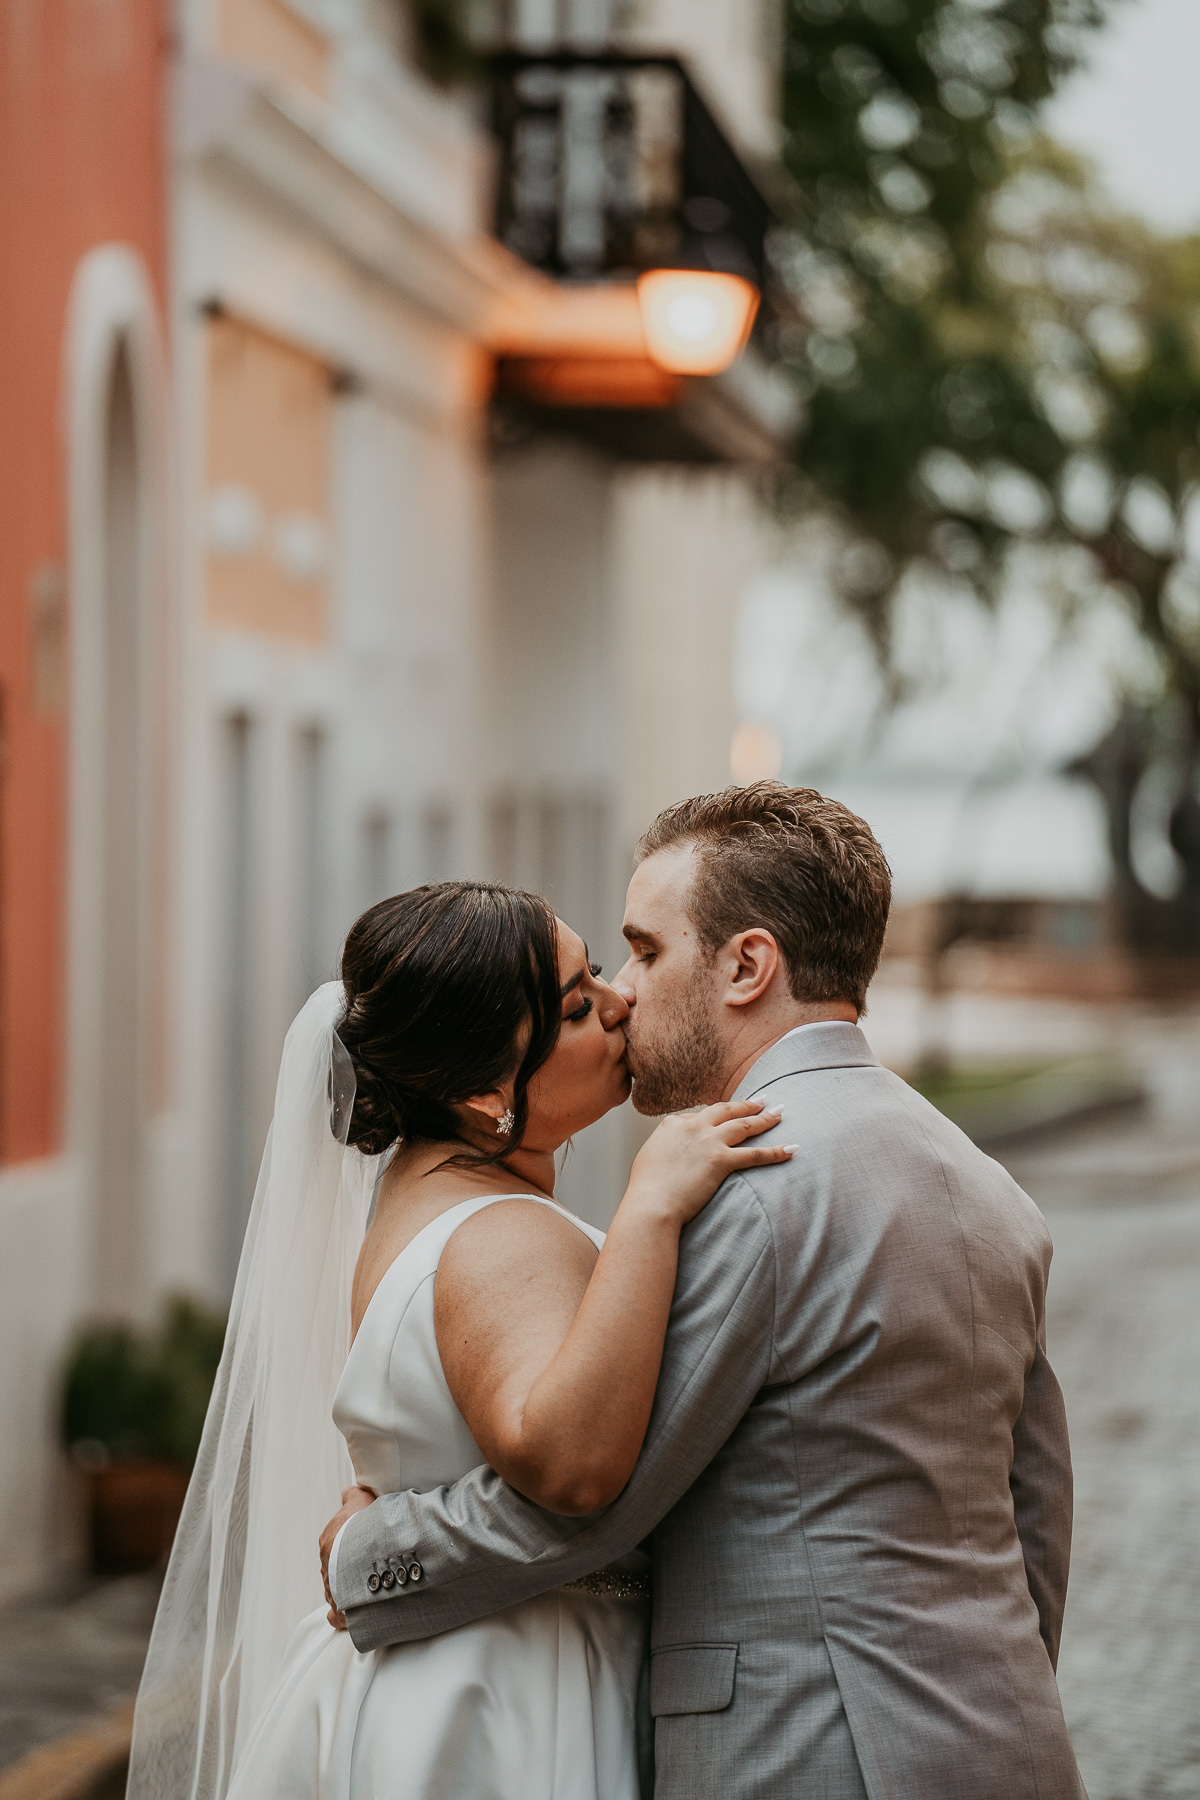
[{"x": 695, "y": 321}]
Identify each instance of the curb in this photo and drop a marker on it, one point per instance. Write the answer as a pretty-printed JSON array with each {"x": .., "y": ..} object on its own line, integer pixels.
[{"x": 90, "y": 1763}]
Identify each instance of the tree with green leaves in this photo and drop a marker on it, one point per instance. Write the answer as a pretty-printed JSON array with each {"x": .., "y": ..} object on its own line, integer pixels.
[
  {"x": 990, "y": 355},
  {"x": 900, "y": 119}
]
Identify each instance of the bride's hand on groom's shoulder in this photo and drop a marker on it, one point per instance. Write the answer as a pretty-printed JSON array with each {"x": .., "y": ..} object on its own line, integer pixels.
[
  {"x": 681, "y": 1166},
  {"x": 354, "y": 1499}
]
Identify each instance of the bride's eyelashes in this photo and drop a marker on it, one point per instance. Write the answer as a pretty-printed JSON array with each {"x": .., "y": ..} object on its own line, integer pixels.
[{"x": 586, "y": 1006}]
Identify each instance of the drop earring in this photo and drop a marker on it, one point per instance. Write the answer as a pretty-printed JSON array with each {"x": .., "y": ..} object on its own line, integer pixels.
[{"x": 505, "y": 1122}]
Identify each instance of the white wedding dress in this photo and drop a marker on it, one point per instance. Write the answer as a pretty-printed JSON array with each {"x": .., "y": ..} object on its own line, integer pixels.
[{"x": 539, "y": 1702}]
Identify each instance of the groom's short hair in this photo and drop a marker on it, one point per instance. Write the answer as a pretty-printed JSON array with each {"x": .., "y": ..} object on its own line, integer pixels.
[{"x": 789, "y": 859}]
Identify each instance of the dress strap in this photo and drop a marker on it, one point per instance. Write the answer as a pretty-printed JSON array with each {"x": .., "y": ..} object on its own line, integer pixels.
[
  {"x": 474, "y": 1206},
  {"x": 419, "y": 1257}
]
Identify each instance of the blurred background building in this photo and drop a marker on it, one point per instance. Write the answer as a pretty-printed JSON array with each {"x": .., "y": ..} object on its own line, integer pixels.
[{"x": 356, "y": 542}]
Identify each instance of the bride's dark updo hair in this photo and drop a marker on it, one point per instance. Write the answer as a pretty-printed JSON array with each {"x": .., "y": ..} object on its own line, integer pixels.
[{"x": 440, "y": 983}]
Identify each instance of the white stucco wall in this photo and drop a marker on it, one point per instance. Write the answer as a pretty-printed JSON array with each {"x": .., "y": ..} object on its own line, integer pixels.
[{"x": 43, "y": 1239}]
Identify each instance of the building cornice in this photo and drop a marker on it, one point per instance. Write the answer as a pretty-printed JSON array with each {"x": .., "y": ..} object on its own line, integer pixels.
[
  {"x": 283, "y": 145},
  {"x": 292, "y": 152}
]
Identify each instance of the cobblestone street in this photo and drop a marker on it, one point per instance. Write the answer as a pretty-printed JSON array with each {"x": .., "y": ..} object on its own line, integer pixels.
[
  {"x": 1125, "y": 1339},
  {"x": 1123, "y": 1203},
  {"x": 71, "y": 1659}
]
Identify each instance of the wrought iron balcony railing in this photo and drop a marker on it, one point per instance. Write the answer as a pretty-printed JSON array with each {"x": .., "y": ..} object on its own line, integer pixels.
[{"x": 612, "y": 164}]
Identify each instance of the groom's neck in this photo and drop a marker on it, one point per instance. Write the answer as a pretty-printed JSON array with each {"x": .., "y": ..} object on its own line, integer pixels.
[{"x": 757, "y": 1035}]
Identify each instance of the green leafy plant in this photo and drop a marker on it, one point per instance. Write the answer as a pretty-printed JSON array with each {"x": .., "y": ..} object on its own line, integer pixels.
[{"x": 143, "y": 1395}]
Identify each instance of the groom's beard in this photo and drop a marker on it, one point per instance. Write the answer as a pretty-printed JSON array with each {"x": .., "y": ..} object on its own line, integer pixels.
[{"x": 677, "y": 1061}]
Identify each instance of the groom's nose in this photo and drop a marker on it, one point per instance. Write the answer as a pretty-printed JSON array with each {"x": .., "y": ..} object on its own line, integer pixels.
[
  {"x": 622, "y": 983},
  {"x": 614, "y": 1008}
]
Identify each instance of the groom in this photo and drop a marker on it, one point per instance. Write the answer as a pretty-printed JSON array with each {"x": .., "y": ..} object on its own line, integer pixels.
[{"x": 857, "y": 1474}]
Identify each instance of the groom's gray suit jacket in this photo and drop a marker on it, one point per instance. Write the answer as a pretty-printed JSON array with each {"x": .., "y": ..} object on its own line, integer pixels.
[{"x": 856, "y": 1475}]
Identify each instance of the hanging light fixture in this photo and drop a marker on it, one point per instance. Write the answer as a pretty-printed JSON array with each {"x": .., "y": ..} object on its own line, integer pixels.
[{"x": 696, "y": 321}]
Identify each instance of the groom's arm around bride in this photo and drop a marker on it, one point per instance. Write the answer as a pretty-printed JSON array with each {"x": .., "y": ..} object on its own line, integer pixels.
[{"x": 856, "y": 1473}]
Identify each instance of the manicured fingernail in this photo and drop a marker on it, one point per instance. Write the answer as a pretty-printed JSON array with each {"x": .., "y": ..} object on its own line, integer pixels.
[{"x": 791, "y": 1146}]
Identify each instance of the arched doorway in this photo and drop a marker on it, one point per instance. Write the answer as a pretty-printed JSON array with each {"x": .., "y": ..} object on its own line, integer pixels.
[
  {"x": 116, "y": 496},
  {"x": 119, "y": 1249}
]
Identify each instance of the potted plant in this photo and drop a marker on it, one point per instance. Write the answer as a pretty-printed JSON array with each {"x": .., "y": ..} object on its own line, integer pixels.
[{"x": 133, "y": 1410}]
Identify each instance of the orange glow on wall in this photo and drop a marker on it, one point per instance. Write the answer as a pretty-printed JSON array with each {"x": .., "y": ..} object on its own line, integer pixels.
[
  {"x": 266, "y": 500},
  {"x": 696, "y": 322},
  {"x": 272, "y": 34},
  {"x": 590, "y": 381}
]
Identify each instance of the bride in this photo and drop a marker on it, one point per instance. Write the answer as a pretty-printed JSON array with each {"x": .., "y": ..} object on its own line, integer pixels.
[{"x": 410, "y": 1303}]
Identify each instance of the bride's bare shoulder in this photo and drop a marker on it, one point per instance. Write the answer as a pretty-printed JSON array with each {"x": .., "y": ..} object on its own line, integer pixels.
[
  {"x": 519, "y": 1237},
  {"x": 412, "y": 1196}
]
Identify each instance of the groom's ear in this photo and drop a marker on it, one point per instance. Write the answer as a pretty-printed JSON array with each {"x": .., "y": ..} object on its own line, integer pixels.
[{"x": 752, "y": 962}]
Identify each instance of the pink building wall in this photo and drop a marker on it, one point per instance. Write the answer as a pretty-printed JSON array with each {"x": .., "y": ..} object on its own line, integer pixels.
[{"x": 81, "y": 164}]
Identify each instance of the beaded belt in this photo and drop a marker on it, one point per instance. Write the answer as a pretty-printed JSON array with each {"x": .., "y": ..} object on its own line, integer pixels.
[{"x": 613, "y": 1584}]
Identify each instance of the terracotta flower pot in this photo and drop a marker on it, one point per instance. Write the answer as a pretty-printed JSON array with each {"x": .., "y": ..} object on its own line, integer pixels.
[{"x": 135, "y": 1509}]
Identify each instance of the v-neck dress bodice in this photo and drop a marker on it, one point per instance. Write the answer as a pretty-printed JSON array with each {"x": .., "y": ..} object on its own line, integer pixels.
[
  {"x": 393, "y": 1406},
  {"x": 539, "y": 1702}
]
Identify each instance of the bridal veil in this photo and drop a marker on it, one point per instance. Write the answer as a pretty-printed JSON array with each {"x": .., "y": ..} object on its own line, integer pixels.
[{"x": 271, "y": 1467}]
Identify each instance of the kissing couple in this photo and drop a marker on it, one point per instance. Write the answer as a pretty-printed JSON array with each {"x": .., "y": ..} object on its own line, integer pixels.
[{"x": 765, "y": 1495}]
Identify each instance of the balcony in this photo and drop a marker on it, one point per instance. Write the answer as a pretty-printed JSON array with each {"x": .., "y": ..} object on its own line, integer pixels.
[{"x": 611, "y": 167}]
